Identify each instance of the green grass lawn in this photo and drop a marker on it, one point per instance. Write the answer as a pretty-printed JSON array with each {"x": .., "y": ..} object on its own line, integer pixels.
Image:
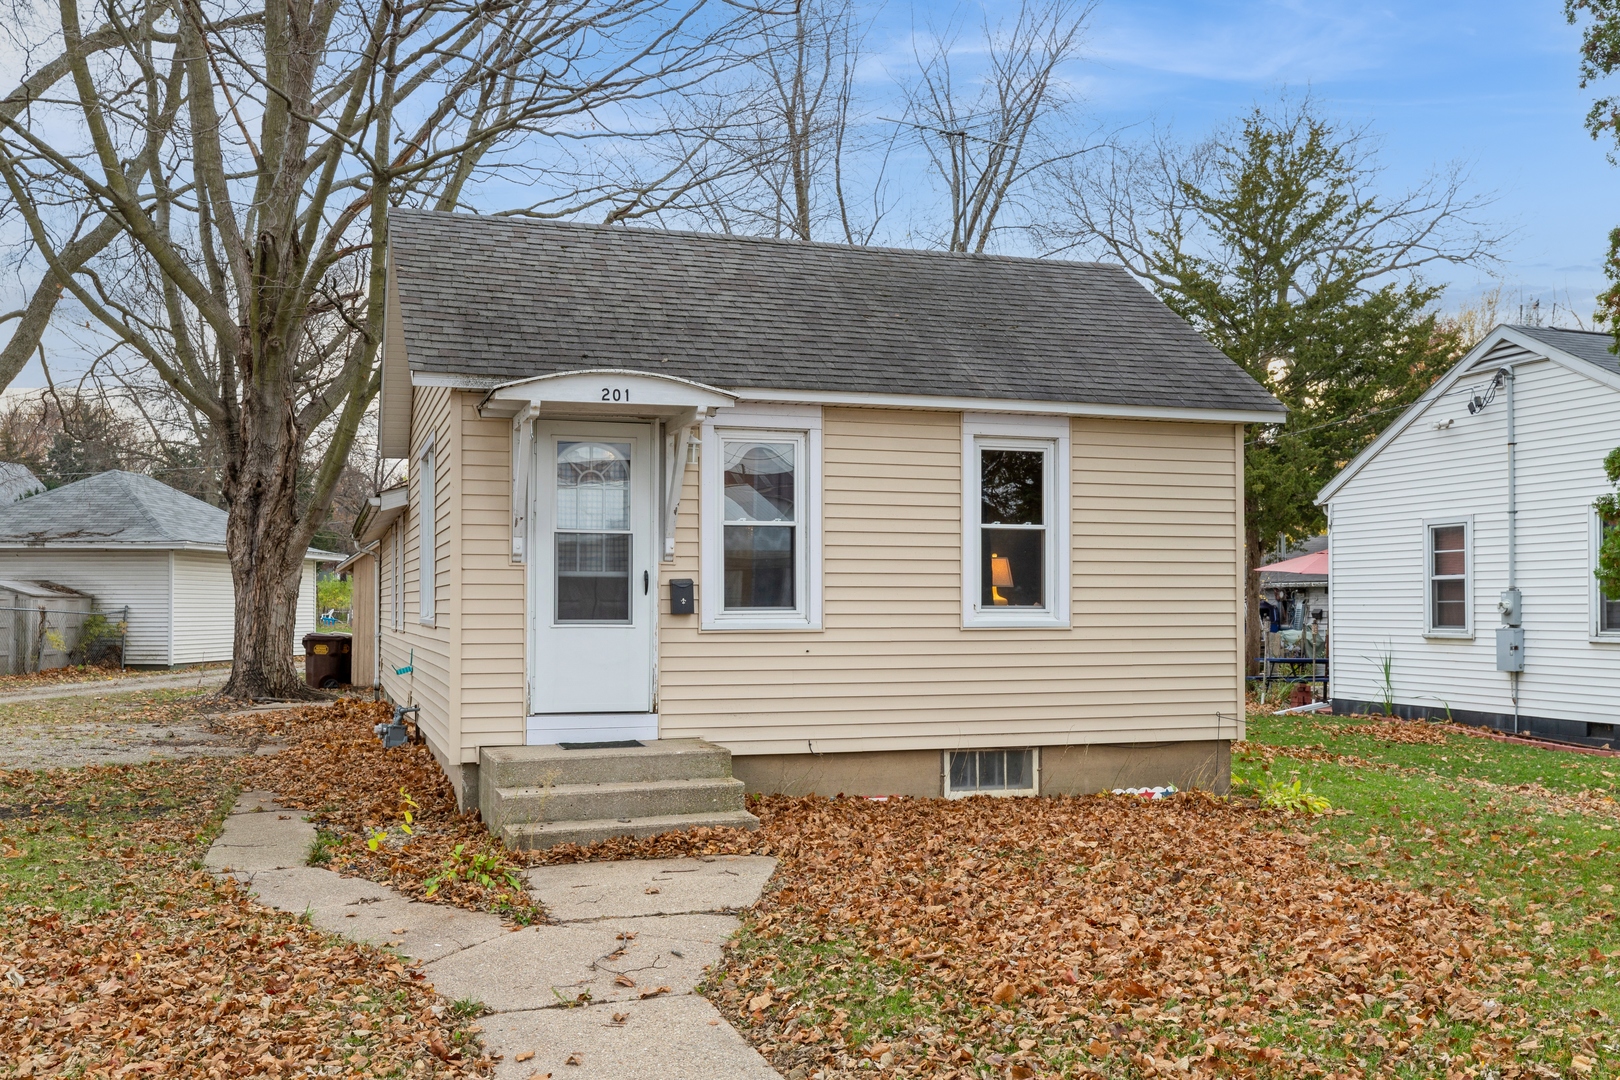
[{"x": 1530, "y": 833}]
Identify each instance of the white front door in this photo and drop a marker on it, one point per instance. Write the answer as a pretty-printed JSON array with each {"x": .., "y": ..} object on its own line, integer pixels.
[{"x": 592, "y": 603}]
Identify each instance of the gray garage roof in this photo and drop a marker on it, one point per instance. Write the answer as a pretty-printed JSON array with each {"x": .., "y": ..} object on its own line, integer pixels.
[
  {"x": 116, "y": 509},
  {"x": 490, "y": 300}
]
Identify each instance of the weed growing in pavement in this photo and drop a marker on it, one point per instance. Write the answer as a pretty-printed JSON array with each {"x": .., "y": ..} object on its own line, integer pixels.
[
  {"x": 467, "y": 1008},
  {"x": 479, "y": 867},
  {"x": 321, "y": 848}
]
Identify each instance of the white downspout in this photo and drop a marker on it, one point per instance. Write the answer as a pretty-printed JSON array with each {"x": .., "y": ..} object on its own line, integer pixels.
[{"x": 1513, "y": 523}]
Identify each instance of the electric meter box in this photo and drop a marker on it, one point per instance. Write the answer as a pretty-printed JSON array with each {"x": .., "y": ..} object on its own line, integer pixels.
[{"x": 1510, "y": 648}]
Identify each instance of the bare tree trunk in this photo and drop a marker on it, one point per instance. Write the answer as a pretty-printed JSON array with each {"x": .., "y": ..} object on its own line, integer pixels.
[
  {"x": 239, "y": 166},
  {"x": 266, "y": 569}
]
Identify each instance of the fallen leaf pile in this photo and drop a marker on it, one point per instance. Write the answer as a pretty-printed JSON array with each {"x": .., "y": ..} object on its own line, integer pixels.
[
  {"x": 1416, "y": 732},
  {"x": 359, "y": 794},
  {"x": 1110, "y": 934},
  {"x": 179, "y": 973}
]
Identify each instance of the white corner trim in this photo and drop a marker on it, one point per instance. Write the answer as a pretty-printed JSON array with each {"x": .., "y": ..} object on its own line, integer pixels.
[
  {"x": 1052, "y": 434},
  {"x": 790, "y": 421}
]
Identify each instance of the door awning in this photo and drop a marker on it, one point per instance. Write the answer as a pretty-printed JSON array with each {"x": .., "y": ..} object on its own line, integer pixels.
[
  {"x": 607, "y": 393},
  {"x": 604, "y": 392}
]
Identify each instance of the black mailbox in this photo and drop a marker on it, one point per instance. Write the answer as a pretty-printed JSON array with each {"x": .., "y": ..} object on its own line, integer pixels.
[{"x": 680, "y": 596}]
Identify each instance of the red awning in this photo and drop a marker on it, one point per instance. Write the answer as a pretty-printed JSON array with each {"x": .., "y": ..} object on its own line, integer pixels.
[{"x": 1315, "y": 564}]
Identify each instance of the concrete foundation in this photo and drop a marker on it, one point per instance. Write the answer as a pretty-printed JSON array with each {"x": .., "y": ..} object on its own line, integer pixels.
[{"x": 1064, "y": 770}]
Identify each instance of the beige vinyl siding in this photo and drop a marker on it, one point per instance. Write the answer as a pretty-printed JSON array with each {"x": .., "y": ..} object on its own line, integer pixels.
[
  {"x": 1151, "y": 656},
  {"x": 492, "y": 586},
  {"x": 116, "y": 579},
  {"x": 204, "y": 607},
  {"x": 363, "y": 620},
  {"x": 430, "y": 650}
]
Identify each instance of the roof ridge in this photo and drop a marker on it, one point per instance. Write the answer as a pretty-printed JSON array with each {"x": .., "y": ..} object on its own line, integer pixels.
[
  {"x": 772, "y": 241},
  {"x": 1531, "y": 330},
  {"x": 138, "y": 497}
]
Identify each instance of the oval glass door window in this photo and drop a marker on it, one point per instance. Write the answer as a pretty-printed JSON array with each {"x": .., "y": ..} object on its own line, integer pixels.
[{"x": 592, "y": 532}]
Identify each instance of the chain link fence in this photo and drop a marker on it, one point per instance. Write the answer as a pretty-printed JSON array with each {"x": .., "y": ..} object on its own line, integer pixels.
[{"x": 37, "y": 637}]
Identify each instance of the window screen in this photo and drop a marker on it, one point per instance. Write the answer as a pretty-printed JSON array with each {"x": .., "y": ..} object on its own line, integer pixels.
[{"x": 1448, "y": 577}]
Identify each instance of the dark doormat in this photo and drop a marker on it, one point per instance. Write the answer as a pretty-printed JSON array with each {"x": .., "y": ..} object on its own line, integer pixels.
[{"x": 618, "y": 744}]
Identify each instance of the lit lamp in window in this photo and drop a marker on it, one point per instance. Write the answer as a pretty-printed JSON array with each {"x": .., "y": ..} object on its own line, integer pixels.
[{"x": 1000, "y": 578}]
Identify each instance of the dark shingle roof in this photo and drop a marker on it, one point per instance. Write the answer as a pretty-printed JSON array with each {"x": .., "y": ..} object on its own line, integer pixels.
[
  {"x": 113, "y": 508},
  {"x": 1587, "y": 345},
  {"x": 116, "y": 509},
  {"x": 492, "y": 300}
]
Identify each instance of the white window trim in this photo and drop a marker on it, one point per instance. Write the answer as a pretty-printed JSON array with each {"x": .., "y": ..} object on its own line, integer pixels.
[
  {"x": 427, "y": 534},
  {"x": 1594, "y": 594},
  {"x": 1448, "y": 633},
  {"x": 1053, "y": 431},
  {"x": 1004, "y": 793},
  {"x": 754, "y": 422}
]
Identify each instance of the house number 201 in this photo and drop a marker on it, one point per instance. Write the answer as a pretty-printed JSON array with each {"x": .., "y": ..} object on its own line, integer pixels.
[{"x": 611, "y": 394}]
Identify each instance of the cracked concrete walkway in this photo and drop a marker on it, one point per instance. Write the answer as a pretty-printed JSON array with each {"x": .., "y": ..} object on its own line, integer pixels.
[{"x": 567, "y": 992}]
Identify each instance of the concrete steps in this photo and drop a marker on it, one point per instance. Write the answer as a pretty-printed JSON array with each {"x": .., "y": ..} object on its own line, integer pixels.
[
  {"x": 551, "y": 833},
  {"x": 541, "y": 796}
]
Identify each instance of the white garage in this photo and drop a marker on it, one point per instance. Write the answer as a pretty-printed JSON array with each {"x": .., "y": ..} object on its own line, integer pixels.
[{"x": 147, "y": 553}]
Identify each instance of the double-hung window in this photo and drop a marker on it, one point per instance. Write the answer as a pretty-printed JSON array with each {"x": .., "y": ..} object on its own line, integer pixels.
[
  {"x": 1605, "y": 608},
  {"x": 761, "y": 530},
  {"x": 1015, "y": 521},
  {"x": 1447, "y": 558}
]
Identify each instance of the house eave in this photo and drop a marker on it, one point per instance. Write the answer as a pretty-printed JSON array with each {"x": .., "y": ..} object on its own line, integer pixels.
[
  {"x": 771, "y": 395},
  {"x": 1543, "y": 353}
]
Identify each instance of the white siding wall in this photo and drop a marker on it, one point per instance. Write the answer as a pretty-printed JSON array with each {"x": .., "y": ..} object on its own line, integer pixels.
[
  {"x": 306, "y": 621},
  {"x": 204, "y": 607},
  {"x": 1566, "y": 424},
  {"x": 139, "y": 579}
]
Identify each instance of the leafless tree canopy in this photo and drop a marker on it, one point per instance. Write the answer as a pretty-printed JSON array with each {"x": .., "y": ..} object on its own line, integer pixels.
[
  {"x": 210, "y": 182},
  {"x": 988, "y": 137},
  {"x": 779, "y": 145}
]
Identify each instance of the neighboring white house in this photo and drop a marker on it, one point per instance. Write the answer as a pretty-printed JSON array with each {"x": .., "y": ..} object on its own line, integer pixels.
[
  {"x": 1420, "y": 540},
  {"x": 137, "y": 545}
]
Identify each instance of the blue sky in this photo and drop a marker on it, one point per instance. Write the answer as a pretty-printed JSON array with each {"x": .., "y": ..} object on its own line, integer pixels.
[{"x": 1491, "y": 83}]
